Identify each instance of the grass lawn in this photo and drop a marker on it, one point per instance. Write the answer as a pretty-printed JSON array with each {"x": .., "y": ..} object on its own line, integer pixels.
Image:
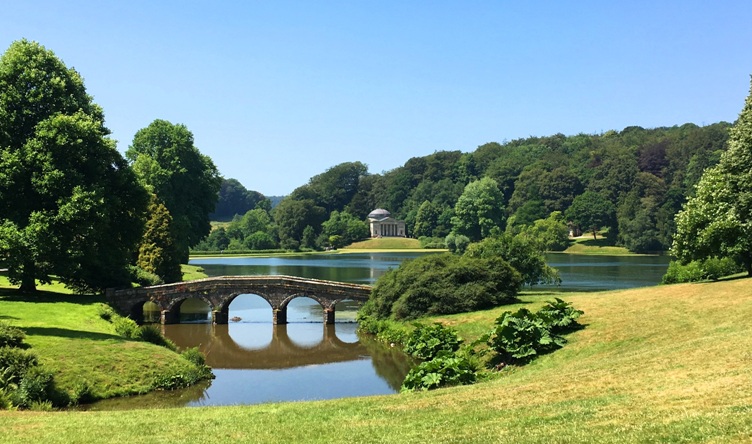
[
  {"x": 69, "y": 337},
  {"x": 585, "y": 244},
  {"x": 386, "y": 243},
  {"x": 660, "y": 364}
]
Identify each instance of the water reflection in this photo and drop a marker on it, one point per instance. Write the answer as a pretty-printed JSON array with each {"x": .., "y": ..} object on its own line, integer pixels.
[{"x": 266, "y": 346}]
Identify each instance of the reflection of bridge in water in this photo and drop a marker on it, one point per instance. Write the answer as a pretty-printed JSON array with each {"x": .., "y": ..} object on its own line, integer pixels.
[
  {"x": 219, "y": 292},
  {"x": 282, "y": 351}
]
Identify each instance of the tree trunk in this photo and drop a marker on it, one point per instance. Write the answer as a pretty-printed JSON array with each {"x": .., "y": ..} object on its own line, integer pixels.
[
  {"x": 28, "y": 281},
  {"x": 595, "y": 237}
]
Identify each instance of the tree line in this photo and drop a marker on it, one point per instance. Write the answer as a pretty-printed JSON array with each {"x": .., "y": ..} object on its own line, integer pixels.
[{"x": 628, "y": 184}]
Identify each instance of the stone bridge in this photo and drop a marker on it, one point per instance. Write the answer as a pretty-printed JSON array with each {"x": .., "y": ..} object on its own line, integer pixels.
[{"x": 219, "y": 292}]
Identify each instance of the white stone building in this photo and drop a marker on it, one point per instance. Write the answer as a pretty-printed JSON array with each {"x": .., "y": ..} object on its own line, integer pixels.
[{"x": 384, "y": 225}]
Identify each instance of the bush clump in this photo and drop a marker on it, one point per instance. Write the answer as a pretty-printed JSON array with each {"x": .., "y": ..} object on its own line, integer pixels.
[
  {"x": 11, "y": 336},
  {"x": 442, "y": 284},
  {"x": 521, "y": 336},
  {"x": 445, "y": 370},
  {"x": 700, "y": 270},
  {"x": 428, "y": 341}
]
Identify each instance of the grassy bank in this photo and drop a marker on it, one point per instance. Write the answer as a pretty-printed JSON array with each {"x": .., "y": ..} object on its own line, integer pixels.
[
  {"x": 661, "y": 364},
  {"x": 601, "y": 246},
  {"x": 70, "y": 339}
]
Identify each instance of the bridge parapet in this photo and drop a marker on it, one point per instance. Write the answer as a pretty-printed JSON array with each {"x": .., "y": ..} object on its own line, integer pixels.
[{"x": 218, "y": 292}]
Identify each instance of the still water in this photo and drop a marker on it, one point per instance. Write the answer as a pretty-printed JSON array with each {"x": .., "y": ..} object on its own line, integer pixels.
[
  {"x": 578, "y": 272},
  {"x": 255, "y": 361}
]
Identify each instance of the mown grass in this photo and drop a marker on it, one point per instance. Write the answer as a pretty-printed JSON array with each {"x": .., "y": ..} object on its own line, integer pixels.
[
  {"x": 386, "y": 243},
  {"x": 192, "y": 272},
  {"x": 661, "y": 364},
  {"x": 585, "y": 244}
]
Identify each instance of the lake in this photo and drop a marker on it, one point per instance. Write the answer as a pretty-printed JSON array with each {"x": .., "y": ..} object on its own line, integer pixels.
[{"x": 255, "y": 361}]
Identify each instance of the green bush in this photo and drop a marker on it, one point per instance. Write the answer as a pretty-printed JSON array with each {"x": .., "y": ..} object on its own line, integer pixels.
[
  {"x": 105, "y": 312},
  {"x": 444, "y": 370},
  {"x": 442, "y": 284},
  {"x": 384, "y": 330},
  {"x": 11, "y": 336},
  {"x": 36, "y": 386},
  {"x": 560, "y": 316},
  {"x": 153, "y": 334},
  {"x": 143, "y": 277},
  {"x": 427, "y": 341},
  {"x": 520, "y": 336},
  {"x": 126, "y": 327},
  {"x": 14, "y": 363},
  {"x": 695, "y": 271},
  {"x": 198, "y": 359}
]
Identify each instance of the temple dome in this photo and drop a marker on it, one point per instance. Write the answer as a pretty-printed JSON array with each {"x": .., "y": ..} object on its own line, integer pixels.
[{"x": 379, "y": 213}]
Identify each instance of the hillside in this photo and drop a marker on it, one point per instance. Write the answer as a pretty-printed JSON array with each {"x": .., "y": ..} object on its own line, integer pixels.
[{"x": 660, "y": 364}]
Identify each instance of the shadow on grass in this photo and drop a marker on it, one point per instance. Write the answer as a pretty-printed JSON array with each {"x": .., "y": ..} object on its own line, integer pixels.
[
  {"x": 602, "y": 242},
  {"x": 42, "y": 296},
  {"x": 8, "y": 317},
  {"x": 66, "y": 333}
]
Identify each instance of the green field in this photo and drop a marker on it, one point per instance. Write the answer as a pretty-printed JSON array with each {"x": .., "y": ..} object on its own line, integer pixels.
[
  {"x": 660, "y": 364},
  {"x": 386, "y": 243}
]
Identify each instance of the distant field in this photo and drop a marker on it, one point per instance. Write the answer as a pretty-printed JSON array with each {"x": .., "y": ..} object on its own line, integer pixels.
[{"x": 386, "y": 243}]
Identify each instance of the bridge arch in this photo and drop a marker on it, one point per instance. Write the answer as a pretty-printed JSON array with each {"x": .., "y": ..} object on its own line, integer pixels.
[{"x": 219, "y": 292}]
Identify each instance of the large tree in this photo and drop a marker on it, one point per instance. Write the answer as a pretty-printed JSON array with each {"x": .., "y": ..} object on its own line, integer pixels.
[
  {"x": 69, "y": 204},
  {"x": 479, "y": 209},
  {"x": 158, "y": 253},
  {"x": 717, "y": 221},
  {"x": 591, "y": 211},
  {"x": 170, "y": 166}
]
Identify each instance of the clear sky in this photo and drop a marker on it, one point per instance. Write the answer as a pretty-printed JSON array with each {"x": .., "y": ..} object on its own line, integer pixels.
[{"x": 278, "y": 91}]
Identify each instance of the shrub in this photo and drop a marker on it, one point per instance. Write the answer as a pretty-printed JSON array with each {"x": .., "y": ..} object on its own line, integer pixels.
[
  {"x": 36, "y": 386},
  {"x": 427, "y": 341},
  {"x": 105, "y": 312},
  {"x": 198, "y": 359},
  {"x": 14, "y": 363},
  {"x": 560, "y": 316},
  {"x": 442, "y": 284},
  {"x": 153, "y": 334},
  {"x": 11, "y": 336},
  {"x": 143, "y": 277},
  {"x": 522, "y": 335},
  {"x": 126, "y": 327},
  {"x": 444, "y": 370},
  {"x": 384, "y": 330},
  {"x": 695, "y": 271},
  {"x": 81, "y": 393}
]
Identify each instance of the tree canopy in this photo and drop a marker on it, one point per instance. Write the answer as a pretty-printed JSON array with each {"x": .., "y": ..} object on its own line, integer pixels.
[
  {"x": 69, "y": 204},
  {"x": 717, "y": 221},
  {"x": 169, "y": 165}
]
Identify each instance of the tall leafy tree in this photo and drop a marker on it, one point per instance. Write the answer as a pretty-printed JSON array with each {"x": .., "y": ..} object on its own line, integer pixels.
[
  {"x": 69, "y": 204},
  {"x": 717, "y": 221},
  {"x": 479, "y": 209},
  {"x": 168, "y": 164},
  {"x": 591, "y": 211}
]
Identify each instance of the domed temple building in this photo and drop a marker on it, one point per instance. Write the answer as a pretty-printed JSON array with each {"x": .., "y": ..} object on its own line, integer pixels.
[{"x": 384, "y": 225}]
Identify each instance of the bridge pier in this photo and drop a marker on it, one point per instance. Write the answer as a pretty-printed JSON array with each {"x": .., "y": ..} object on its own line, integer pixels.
[
  {"x": 329, "y": 315},
  {"x": 170, "y": 317},
  {"x": 279, "y": 316},
  {"x": 219, "y": 317}
]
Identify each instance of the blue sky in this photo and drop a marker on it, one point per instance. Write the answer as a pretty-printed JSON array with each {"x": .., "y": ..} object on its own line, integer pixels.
[{"x": 278, "y": 91}]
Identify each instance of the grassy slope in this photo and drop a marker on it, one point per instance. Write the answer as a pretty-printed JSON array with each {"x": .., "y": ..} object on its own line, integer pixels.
[
  {"x": 585, "y": 244},
  {"x": 386, "y": 243},
  {"x": 69, "y": 338},
  {"x": 662, "y": 364}
]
